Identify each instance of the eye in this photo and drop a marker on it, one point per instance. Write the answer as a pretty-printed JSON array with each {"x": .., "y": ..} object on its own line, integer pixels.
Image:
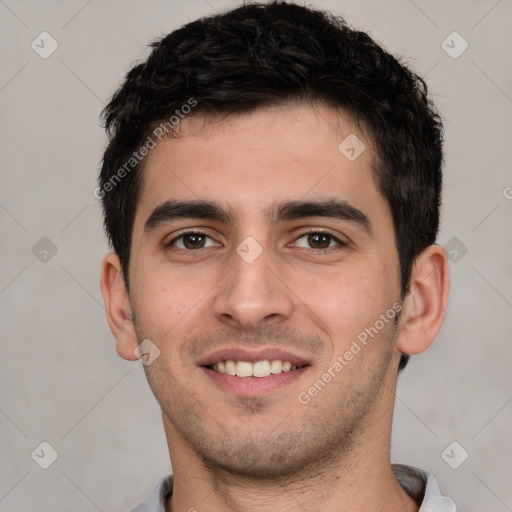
[
  {"x": 318, "y": 240},
  {"x": 192, "y": 240}
]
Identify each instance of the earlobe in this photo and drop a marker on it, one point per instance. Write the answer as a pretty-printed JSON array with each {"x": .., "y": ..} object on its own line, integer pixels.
[
  {"x": 118, "y": 307},
  {"x": 425, "y": 304}
]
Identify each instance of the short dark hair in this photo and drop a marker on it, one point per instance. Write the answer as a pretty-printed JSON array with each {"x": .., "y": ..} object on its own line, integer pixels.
[{"x": 267, "y": 54}]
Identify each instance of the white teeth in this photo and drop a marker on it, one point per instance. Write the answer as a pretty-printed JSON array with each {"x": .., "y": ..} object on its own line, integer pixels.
[
  {"x": 262, "y": 368},
  {"x": 230, "y": 367},
  {"x": 276, "y": 366},
  {"x": 243, "y": 369}
]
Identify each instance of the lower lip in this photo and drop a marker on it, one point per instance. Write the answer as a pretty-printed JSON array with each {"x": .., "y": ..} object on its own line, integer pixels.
[{"x": 253, "y": 386}]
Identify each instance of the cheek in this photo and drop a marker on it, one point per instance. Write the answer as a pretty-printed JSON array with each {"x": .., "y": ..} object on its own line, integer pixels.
[
  {"x": 343, "y": 299},
  {"x": 350, "y": 303},
  {"x": 164, "y": 301}
]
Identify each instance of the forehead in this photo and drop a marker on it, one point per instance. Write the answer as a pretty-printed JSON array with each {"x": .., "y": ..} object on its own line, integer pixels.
[{"x": 250, "y": 161}]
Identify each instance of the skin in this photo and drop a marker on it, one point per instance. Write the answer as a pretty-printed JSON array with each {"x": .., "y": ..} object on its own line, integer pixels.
[{"x": 271, "y": 450}]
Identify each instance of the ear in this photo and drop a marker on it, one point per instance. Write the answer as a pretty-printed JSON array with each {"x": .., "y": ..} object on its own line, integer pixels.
[
  {"x": 425, "y": 304},
  {"x": 118, "y": 307}
]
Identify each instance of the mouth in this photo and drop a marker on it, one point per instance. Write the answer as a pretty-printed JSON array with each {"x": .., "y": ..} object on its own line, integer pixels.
[
  {"x": 258, "y": 369},
  {"x": 249, "y": 374}
]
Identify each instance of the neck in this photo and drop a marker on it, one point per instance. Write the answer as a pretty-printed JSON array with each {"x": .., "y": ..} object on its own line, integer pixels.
[{"x": 342, "y": 487}]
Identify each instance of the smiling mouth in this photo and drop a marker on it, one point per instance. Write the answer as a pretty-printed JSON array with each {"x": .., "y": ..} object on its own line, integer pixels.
[{"x": 259, "y": 369}]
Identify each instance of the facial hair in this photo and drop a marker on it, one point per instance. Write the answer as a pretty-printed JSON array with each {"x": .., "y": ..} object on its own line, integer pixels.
[{"x": 277, "y": 446}]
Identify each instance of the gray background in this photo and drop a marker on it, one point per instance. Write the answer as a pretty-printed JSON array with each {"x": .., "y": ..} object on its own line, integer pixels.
[{"x": 60, "y": 378}]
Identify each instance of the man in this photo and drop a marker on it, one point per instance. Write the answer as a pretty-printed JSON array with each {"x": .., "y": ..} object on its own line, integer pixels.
[{"x": 271, "y": 190}]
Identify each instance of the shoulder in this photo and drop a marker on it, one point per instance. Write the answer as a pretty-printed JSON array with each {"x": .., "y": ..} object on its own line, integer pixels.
[
  {"x": 155, "y": 502},
  {"x": 422, "y": 488}
]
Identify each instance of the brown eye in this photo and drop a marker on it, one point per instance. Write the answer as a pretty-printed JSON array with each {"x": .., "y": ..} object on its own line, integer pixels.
[
  {"x": 192, "y": 241},
  {"x": 319, "y": 240}
]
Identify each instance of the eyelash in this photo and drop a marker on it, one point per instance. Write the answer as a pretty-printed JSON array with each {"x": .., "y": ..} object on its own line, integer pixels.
[
  {"x": 341, "y": 244},
  {"x": 328, "y": 233}
]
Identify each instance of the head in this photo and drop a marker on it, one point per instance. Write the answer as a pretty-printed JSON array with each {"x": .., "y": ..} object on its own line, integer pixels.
[{"x": 240, "y": 113}]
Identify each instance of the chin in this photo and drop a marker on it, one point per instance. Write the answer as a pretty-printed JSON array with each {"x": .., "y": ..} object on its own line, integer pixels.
[{"x": 282, "y": 458}]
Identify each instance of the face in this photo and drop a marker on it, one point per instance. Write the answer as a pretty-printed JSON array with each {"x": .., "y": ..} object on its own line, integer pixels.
[{"x": 264, "y": 268}]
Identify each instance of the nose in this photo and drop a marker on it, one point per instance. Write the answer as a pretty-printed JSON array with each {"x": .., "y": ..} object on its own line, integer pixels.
[{"x": 253, "y": 294}]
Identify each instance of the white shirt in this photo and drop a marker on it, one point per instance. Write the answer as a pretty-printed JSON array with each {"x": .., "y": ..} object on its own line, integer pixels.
[{"x": 420, "y": 486}]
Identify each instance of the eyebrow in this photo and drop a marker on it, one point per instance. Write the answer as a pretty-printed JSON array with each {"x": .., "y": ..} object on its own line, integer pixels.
[
  {"x": 340, "y": 210},
  {"x": 284, "y": 211},
  {"x": 172, "y": 210}
]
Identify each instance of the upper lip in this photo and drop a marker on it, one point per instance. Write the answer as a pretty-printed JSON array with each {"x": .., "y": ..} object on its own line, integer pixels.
[{"x": 251, "y": 356}]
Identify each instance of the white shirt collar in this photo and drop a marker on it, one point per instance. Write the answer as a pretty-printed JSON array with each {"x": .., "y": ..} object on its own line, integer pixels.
[{"x": 421, "y": 486}]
